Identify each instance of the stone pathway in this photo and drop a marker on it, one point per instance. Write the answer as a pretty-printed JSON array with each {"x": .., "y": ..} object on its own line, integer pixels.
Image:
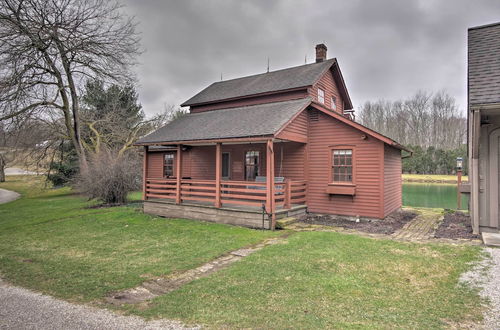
[
  {"x": 421, "y": 228},
  {"x": 163, "y": 285}
]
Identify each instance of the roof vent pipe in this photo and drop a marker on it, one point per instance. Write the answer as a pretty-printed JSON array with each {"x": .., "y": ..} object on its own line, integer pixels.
[{"x": 320, "y": 53}]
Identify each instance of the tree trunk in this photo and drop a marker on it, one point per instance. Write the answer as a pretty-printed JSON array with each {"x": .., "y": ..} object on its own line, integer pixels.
[{"x": 2, "y": 169}]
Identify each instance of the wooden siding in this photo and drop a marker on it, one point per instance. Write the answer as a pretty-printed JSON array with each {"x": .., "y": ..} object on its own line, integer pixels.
[
  {"x": 199, "y": 161},
  {"x": 328, "y": 84},
  {"x": 326, "y": 132},
  {"x": 296, "y": 130},
  {"x": 275, "y": 97},
  {"x": 155, "y": 164},
  {"x": 392, "y": 180}
]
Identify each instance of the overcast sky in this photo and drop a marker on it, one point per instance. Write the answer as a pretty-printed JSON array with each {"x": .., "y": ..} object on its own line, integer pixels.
[{"x": 386, "y": 49}]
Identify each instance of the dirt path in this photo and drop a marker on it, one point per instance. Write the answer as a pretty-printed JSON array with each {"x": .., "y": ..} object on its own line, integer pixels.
[
  {"x": 8, "y": 196},
  {"x": 24, "y": 309}
]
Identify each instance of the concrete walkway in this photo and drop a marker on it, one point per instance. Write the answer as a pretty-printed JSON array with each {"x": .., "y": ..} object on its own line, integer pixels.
[
  {"x": 24, "y": 309},
  {"x": 8, "y": 196},
  {"x": 18, "y": 171}
]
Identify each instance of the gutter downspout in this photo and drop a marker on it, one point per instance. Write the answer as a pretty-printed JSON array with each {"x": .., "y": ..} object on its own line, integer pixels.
[{"x": 476, "y": 134}]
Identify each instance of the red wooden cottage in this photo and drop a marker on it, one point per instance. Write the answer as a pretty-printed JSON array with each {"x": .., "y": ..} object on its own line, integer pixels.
[{"x": 271, "y": 145}]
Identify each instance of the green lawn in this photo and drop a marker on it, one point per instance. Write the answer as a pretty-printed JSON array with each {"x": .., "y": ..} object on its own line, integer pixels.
[
  {"x": 331, "y": 280},
  {"x": 50, "y": 242},
  {"x": 432, "y": 178}
]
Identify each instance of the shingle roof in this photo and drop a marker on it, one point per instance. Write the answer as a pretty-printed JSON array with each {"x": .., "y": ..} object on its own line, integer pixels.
[
  {"x": 295, "y": 77},
  {"x": 249, "y": 121},
  {"x": 484, "y": 64}
]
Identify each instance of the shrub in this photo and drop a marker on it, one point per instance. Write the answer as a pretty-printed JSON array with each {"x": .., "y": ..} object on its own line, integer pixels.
[{"x": 109, "y": 177}]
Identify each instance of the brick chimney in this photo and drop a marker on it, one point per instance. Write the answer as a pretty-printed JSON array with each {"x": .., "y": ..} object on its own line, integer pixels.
[{"x": 320, "y": 53}]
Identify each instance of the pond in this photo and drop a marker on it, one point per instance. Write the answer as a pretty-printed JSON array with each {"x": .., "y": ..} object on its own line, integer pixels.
[{"x": 432, "y": 195}]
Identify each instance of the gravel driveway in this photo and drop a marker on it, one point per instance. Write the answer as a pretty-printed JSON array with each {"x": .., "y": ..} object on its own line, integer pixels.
[
  {"x": 486, "y": 275},
  {"x": 24, "y": 309}
]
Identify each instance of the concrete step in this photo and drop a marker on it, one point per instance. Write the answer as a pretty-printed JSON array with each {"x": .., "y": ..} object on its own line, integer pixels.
[{"x": 282, "y": 223}]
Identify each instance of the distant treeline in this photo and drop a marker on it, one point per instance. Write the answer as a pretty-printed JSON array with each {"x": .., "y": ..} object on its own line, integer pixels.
[
  {"x": 434, "y": 161},
  {"x": 428, "y": 123},
  {"x": 425, "y": 119}
]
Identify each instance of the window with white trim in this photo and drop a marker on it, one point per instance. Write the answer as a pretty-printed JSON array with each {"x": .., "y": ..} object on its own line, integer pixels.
[
  {"x": 333, "y": 101},
  {"x": 321, "y": 96},
  {"x": 342, "y": 167},
  {"x": 168, "y": 165}
]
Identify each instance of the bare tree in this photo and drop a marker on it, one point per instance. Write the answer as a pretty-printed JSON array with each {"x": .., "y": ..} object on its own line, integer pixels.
[
  {"x": 49, "y": 47},
  {"x": 424, "y": 119},
  {"x": 25, "y": 142}
]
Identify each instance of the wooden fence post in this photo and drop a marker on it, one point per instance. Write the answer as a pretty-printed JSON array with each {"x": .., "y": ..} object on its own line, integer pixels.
[
  {"x": 218, "y": 173},
  {"x": 288, "y": 194},
  {"x": 144, "y": 173},
  {"x": 178, "y": 173}
]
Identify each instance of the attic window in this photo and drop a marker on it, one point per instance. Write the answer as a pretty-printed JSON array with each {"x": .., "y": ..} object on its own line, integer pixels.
[
  {"x": 334, "y": 103},
  {"x": 321, "y": 96}
]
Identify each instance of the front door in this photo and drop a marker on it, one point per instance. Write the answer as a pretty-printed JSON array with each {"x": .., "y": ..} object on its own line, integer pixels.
[{"x": 226, "y": 166}]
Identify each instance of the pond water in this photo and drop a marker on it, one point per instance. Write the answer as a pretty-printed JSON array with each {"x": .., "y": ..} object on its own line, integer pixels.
[{"x": 432, "y": 195}]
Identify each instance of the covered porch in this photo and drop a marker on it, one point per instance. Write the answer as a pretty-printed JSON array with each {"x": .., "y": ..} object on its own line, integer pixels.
[{"x": 249, "y": 182}]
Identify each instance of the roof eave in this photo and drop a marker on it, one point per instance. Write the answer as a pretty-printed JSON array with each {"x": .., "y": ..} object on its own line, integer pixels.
[
  {"x": 216, "y": 140},
  {"x": 186, "y": 104}
]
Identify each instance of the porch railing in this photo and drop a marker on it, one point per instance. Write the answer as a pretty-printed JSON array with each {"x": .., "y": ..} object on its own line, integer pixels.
[{"x": 243, "y": 193}]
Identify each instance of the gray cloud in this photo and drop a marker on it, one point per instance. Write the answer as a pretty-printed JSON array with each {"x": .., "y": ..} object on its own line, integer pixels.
[{"x": 386, "y": 49}]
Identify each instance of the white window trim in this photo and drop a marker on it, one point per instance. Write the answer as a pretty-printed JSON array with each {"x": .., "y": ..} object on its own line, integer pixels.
[
  {"x": 333, "y": 101},
  {"x": 321, "y": 96}
]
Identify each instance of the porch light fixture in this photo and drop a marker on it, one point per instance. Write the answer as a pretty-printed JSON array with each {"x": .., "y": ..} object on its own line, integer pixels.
[{"x": 459, "y": 163}]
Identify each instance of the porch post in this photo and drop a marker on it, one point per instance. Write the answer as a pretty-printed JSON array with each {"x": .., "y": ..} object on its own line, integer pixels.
[
  {"x": 144, "y": 172},
  {"x": 288, "y": 194},
  {"x": 270, "y": 198},
  {"x": 218, "y": 173},
  {"x": 178, "y": 174}
]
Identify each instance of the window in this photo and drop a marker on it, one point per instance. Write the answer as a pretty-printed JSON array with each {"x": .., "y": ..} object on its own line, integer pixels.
[
  {"x": 321, "y": 96},
  {"x": 168, "y": 165},
  {"x": 342, "y": 165},
  {"x": 251, "y": 165},
  {"x": 334, "y": 103},
  {"x": 225, "y": 165}
]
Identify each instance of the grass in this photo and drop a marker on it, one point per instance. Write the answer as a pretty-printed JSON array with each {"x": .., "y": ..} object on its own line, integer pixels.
[
  {"x": 331, "y": 280},
  {"x": 50, "y": 241},
  {"x": 432, "y": 178}
]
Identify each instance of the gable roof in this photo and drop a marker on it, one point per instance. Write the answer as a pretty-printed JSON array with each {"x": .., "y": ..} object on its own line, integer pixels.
[
  {"x": 484, "y": 64},
  {"x": 358, "y": 126},
  {"x": 285, "y": 79},
  {"x": 248, "y": 121}
]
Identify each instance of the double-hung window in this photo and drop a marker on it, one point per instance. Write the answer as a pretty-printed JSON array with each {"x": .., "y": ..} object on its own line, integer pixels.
[
  {"x": 168, "y": 165},
  {"x": 342, "y": 166},
  {"x": 333, "y": 101},
  {"x": 321, "y": 96}
]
